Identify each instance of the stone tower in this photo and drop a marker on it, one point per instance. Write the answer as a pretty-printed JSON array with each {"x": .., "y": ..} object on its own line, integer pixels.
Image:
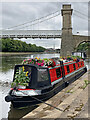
[{"x": 67, "y": 45}]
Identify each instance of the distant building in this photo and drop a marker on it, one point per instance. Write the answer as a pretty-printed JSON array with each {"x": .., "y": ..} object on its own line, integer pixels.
[
  {"x": 49, "y": 50},
  {"x": 57, "y": 50}
]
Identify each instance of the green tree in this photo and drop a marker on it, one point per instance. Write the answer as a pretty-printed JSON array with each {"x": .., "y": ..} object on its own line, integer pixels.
[
  {"x": 10, "y": 45},
  {"x": 83, "y": 46}
]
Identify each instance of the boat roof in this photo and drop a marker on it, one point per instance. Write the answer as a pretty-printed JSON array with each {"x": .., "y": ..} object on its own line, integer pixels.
[{"x": 56, "y": 60}]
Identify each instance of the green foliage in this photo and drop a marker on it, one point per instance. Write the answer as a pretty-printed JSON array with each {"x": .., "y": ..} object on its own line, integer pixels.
[
  {"x": 10, "y": 45},
  {"x": 21, "y": 78},
  {"x": 86, "y": 83},
  {"x": 83, "y": 46},
  {"x": 78, "y": 57},
  {"x": 69, "y": 91}
]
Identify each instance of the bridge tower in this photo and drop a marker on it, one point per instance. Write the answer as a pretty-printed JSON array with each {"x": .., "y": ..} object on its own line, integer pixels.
[{"x": 67, "y": 43}]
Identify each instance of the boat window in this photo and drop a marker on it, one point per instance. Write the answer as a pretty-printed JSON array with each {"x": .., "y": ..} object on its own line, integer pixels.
[
  {"x": 74, "y": 67},
  {"x": 58, "y": 72},
  {"x": 68, "y": 70},
  {"x": 42, "y": 75}
]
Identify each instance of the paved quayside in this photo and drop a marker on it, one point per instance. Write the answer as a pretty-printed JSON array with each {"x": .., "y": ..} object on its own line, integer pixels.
[{"x": 73, "y": 100}]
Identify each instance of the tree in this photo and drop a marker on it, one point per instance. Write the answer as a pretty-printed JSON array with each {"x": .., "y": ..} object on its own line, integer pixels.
[
  {"x": 10, "y": 45},
  {"x": 83, "y": 46}
]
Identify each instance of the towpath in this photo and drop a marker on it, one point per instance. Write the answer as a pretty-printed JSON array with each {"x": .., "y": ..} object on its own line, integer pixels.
[{"x": 73, "y": 100}]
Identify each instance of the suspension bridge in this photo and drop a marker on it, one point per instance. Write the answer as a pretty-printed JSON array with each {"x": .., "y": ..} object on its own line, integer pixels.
[
  {"x": 69, "y": 41},
  {"x": 31, "y": 34}
]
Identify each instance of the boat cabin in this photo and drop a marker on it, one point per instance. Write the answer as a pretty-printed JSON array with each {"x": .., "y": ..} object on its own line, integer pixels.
[
  {"x": 39, "y": 76},
  {"x": 44, "y": 76}
]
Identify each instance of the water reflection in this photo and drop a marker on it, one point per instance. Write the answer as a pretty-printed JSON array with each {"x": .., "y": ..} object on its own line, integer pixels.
[
  {"x": 19, "y": 113},
  {"x": 8, "y": 62}
]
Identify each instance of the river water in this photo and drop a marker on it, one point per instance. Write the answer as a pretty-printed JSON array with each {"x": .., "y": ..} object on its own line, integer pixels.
[{"x": 6, "y": 76}]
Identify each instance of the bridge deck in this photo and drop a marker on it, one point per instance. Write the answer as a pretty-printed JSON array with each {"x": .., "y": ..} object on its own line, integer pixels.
[{"x": 30, "y": 34}]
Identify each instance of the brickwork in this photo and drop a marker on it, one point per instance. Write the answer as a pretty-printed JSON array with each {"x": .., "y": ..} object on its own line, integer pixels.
[
  {"x": 69, "y": 41},
  {"x": 67, "y": 44}
]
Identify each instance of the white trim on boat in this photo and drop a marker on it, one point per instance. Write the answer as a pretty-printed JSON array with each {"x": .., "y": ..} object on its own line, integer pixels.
[
  {"x": 26, "y": 92},
  {"x": 56, "y": 81}
]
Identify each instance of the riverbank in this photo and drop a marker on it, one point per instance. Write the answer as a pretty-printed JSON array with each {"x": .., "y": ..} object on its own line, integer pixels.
[
  {"x": 18, "y": 53},
  {"x": 73, "y": 101}
]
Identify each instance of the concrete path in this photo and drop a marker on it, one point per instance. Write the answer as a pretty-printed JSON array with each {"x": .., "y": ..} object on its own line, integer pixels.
[{"x": 73, "y": 101}]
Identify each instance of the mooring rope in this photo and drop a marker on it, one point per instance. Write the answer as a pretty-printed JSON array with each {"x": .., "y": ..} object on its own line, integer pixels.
[{"x": 42, "y": 101}]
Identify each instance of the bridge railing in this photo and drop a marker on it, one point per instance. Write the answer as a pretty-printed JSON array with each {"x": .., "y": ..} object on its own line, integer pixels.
[{"x": 30, "y": 34}]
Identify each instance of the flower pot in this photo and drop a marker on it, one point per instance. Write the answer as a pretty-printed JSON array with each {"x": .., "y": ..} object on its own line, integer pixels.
[{"x": 21, "y": 87}]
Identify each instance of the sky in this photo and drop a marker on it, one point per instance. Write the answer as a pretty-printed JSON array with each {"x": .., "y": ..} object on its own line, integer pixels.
[{"x": 15, "y": 13}]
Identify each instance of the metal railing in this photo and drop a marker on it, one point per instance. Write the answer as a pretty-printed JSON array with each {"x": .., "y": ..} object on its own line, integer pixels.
[{"x": 30, "y": 34}]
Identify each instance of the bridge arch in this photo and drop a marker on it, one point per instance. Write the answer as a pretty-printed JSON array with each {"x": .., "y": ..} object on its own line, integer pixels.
[
  {"x": 82, "y": 42},
  {"x": 78, "y": 39}
]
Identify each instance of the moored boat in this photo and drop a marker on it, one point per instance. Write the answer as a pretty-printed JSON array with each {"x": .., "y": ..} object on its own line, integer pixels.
[{"x": 44, "y": 80}]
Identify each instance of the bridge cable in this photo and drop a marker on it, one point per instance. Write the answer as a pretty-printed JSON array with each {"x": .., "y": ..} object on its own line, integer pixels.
[
  {"x": 81, "y": 13},
  {"x": 41, "y": 21},
  {"x": 33, "y": 20},
  {"x": 81, "y": 17}
]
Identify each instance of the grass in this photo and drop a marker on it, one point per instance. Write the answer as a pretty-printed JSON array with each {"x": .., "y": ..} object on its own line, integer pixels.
[
  {"x": 86, "y": 82},
  {"x": 69, "y": 91}
]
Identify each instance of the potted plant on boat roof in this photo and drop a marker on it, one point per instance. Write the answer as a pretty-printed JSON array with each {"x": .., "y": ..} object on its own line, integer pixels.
[
  {"x": 49, "y": 62},
  {"x": 36, "y": 61},
  {"x": 69, "y": 58},
  {"x": 21, "y": 79}
]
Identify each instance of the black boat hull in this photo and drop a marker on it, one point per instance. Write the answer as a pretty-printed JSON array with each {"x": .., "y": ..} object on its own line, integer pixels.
[{"x": 24, "y": 101}]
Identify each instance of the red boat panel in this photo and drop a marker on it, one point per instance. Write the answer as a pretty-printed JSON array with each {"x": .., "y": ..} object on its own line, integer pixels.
[
  {"x": 77, "y": 66},
  {"x": 65, "y": 70},
  {"x": 69, "y": 67},
  {"x": 53, "y": 75}
]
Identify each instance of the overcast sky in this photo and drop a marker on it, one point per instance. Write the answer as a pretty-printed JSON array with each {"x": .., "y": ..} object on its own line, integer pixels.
[{"x": 14, "y": 13}]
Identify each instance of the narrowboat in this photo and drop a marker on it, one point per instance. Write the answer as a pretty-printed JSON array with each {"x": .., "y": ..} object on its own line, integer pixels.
[{"x": 44, "y": 81}]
